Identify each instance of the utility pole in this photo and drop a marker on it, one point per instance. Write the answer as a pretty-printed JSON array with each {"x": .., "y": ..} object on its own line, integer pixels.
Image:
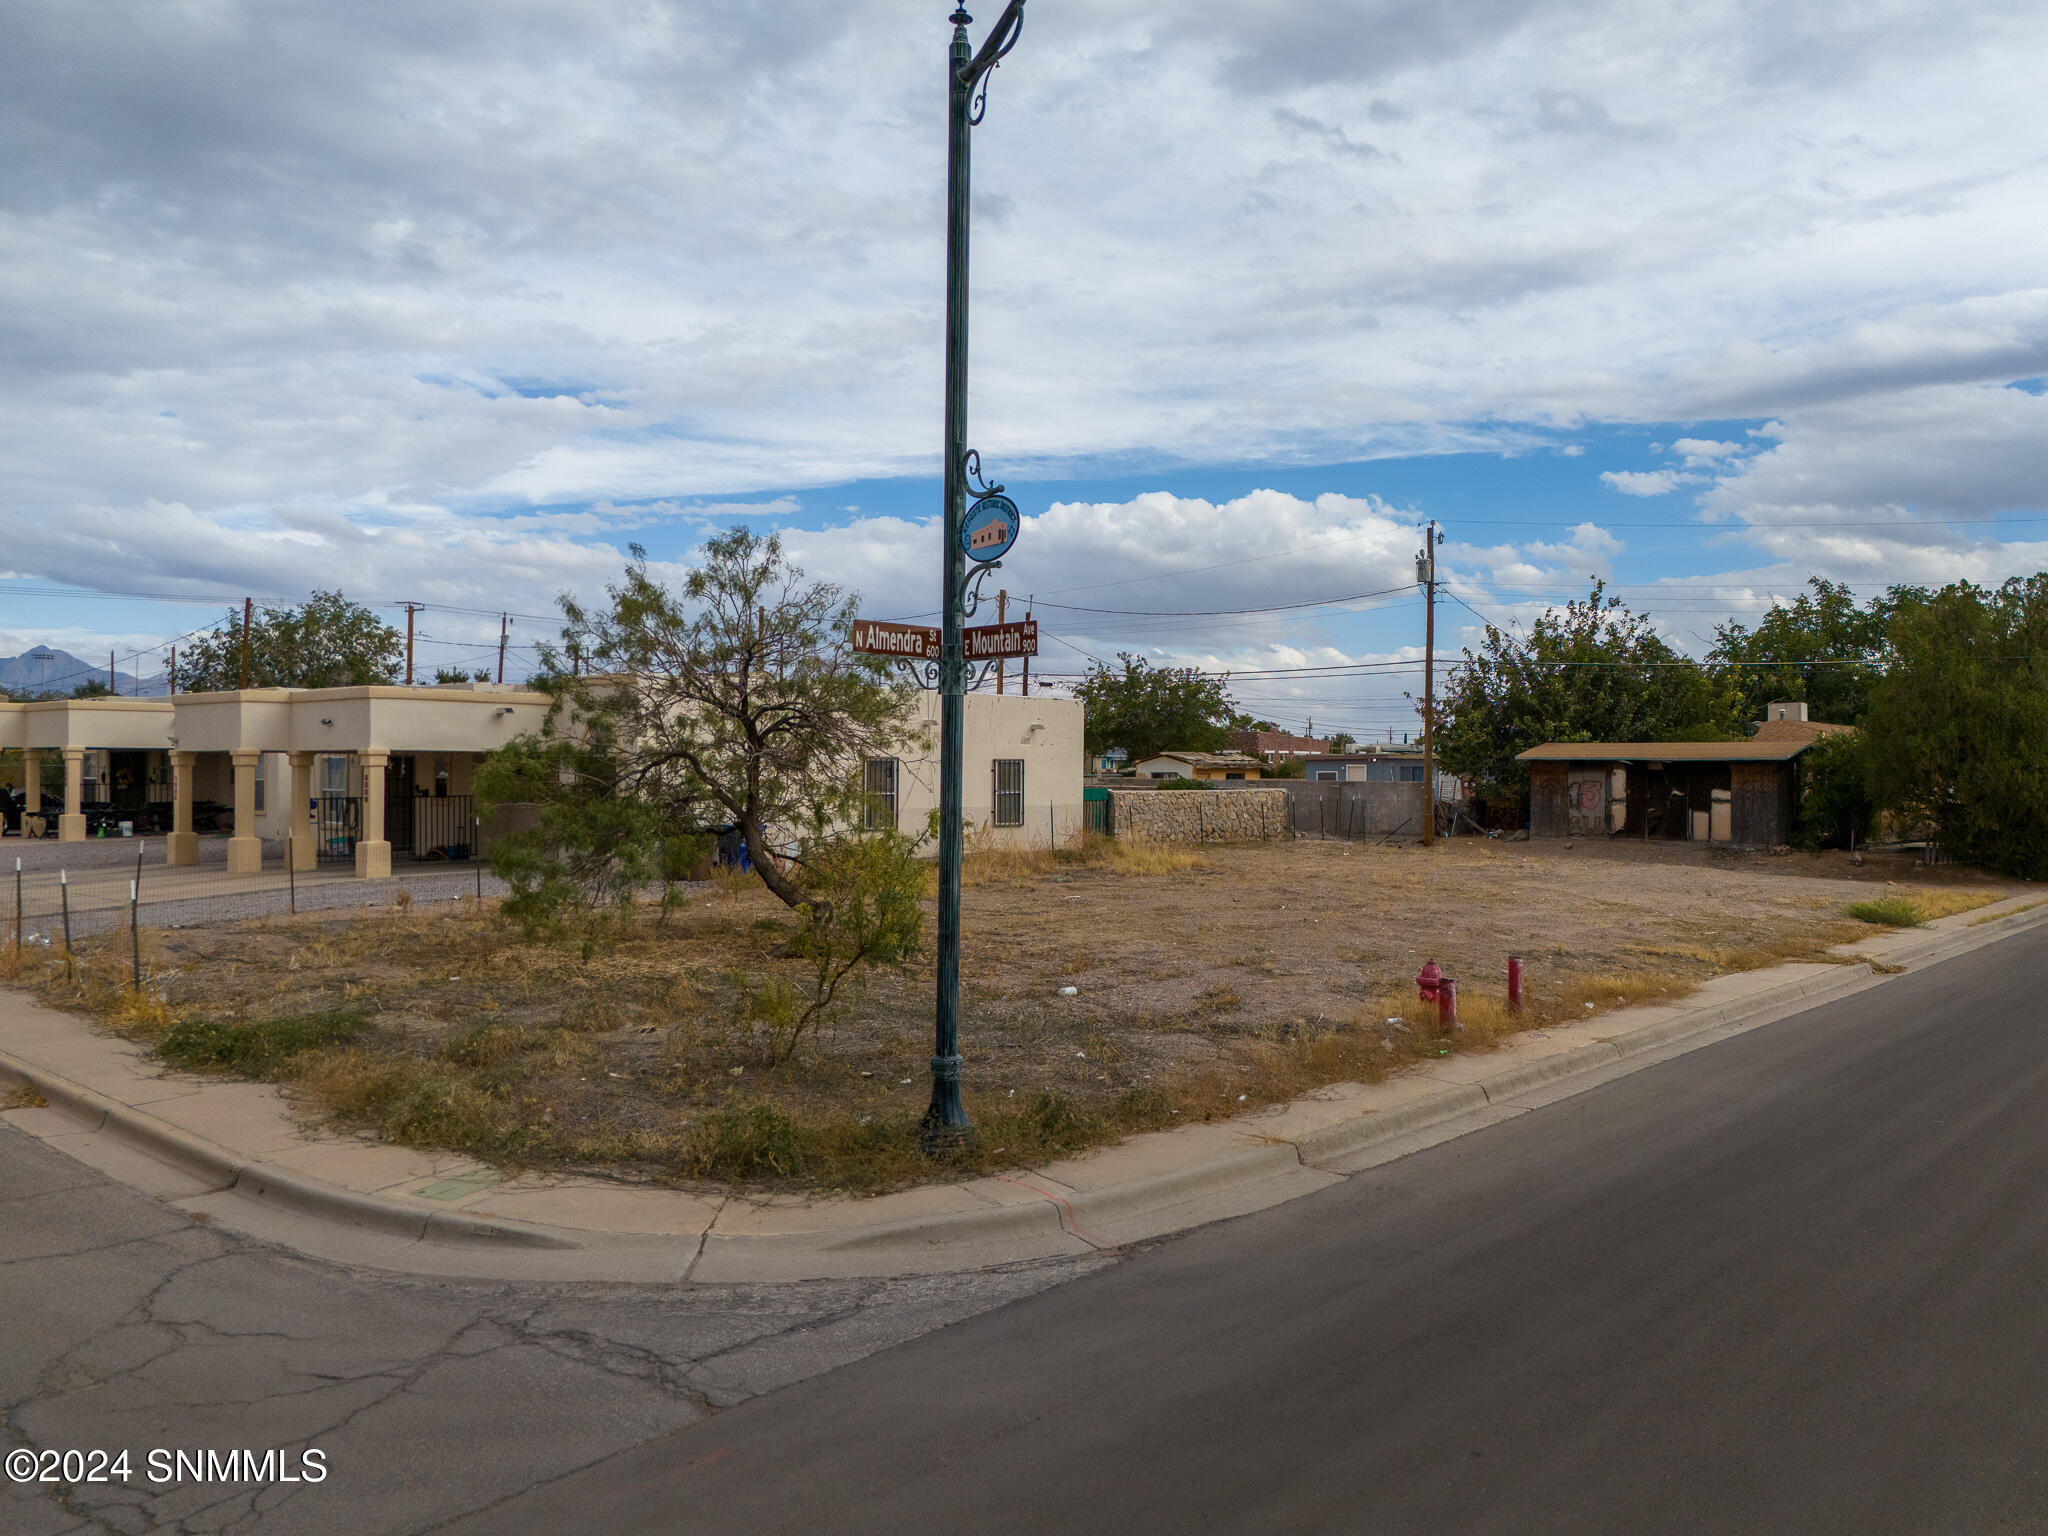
[
  {"x": 113, "y": 681},
  {"x": 410, "y": 610},
  {"x": 1425, "y": 573},
  {"x": 248, "y": 612},
  {"x": 1027, "y": 660},
  {"x": 171, "y": 673},
  {"x": 945, "y": 1122},
  {"x": 1002, "y": 613},
  {"x": 504, "y": 631}
]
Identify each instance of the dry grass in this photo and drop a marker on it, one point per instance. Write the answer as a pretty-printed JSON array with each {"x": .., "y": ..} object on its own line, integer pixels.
[
  {"x": 988, "y": 862},
  {"x": 1978, "y": 922},
  {"x": 1208, "y": 983},
  {"x": 24, "y": 1097},
  {"x": 1912, "y": 906}
]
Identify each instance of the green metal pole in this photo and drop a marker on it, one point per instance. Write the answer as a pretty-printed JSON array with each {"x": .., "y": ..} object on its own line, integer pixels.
[{"x": 945, "y": 1123}]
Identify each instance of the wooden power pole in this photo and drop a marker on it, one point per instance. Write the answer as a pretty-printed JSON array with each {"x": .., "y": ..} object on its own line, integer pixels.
[
  {"x": 248, "y": 612},
  {"x": 1425, "y": 572},
  {"x": 1002, "y": 613},
  {"x": 410, "y": 610},
  {"x": 504, "y": 629}
]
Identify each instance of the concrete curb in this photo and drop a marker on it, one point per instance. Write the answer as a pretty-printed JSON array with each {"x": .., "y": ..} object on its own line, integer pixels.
[
  {"x": 218, "y": 1168},
  {"x": 1051, "y": 1223}
]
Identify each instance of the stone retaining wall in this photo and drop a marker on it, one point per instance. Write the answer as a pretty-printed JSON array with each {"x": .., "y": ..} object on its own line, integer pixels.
[{"x": 1200, "y": 815}]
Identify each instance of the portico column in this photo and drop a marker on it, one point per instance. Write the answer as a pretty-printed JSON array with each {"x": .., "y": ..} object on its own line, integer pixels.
[
  {"x": 245, "y": 848},
  {"x": 373, "y": 854},
  {"x": 303, "y": 850},
  {"x": 182, "y": 846},
  {"x": 32, "y": 785},
  {"x": 71, "y": 825}
]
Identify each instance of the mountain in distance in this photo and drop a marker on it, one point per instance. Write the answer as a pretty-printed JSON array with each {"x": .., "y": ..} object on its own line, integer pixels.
[{"x": 46, "y": 669}]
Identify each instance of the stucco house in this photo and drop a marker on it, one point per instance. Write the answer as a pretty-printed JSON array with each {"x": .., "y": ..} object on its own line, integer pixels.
[{"x": 1200, "y": 765}]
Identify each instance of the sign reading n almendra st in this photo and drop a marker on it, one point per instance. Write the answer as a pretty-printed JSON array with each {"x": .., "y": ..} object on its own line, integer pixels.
[{"x": 913, "y": 642}]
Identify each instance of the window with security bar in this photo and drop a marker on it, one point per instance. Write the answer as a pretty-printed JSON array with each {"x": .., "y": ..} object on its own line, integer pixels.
[
  {"x": 1009, "y": 791},
  {"x": 878, "y": 807}
]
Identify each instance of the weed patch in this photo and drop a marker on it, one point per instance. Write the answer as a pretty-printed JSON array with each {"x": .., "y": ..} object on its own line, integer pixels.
[{"x": 260, "y": 1048}]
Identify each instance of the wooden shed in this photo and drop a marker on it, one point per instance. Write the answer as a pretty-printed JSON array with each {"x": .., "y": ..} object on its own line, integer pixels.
[{"x": 1740, "y": 794}]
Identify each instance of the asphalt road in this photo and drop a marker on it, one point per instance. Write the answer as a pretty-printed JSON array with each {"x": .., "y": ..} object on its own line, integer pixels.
[
  {"x": 126, "y": 1326},
  {"x": 1796, "y": 1282}
]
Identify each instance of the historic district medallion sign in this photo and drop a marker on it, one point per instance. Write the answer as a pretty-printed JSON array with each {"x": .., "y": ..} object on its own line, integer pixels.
[{"x": 990, "y": 528}]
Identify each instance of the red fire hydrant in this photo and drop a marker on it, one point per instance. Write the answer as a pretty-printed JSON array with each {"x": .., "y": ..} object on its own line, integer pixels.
[{"x": 1427, "y": 980}]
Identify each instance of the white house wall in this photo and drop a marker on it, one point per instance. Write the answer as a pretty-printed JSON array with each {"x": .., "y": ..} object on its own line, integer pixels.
[{"x": 1045, "y": 732}]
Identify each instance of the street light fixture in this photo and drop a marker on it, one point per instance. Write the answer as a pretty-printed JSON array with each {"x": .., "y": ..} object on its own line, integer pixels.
[{"x": 945, "y": 1122}]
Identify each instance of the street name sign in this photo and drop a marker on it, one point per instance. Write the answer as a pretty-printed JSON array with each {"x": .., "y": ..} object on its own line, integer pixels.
[
  {"x": 1002, "y": 642},
  {"x": 912, "y": 642}
]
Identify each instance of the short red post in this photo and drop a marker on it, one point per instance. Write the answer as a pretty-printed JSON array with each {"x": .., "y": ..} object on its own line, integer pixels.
[
  {"x": 1446, "y": 1006},
  {"x": 1514, "y": 983}
]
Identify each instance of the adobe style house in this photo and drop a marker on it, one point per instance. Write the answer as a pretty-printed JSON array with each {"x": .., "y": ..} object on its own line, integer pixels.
[
  {"x": 1737, "y": 794},
  {"x": 358, "y": 775}
]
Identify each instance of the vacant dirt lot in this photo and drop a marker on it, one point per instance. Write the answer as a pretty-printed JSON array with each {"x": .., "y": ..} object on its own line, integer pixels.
[{"x": 1244, "y": 975}]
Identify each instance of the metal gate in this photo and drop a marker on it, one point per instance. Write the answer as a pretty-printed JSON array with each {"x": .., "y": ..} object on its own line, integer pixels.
[{"x": 337, "y": 824}]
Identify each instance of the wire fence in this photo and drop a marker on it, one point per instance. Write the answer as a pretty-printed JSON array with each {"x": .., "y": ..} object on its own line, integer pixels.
[{"x": 57, "y": 908}]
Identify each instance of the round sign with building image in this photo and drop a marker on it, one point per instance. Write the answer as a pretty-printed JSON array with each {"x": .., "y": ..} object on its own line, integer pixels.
[{"x": 990, "y": 528}]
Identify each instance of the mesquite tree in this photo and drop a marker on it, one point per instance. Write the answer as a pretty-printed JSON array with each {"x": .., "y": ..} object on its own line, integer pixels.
[{"x": 733, "y": 702}]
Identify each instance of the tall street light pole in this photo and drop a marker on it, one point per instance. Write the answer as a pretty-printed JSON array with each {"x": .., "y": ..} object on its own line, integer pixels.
[{"x": 946, "y": 1123}]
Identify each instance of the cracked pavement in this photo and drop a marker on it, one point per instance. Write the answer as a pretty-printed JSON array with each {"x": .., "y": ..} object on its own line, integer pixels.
[{"x": 130, "y": 1326}]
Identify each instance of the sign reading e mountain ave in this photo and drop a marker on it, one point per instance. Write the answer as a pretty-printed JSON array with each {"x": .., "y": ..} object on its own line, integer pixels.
[
  {"x": 913, "y": 642},
  {"x": 1000, "y": 642}
]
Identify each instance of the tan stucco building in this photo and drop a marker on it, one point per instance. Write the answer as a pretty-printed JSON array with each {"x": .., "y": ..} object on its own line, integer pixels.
[
  {"x": 344, "y": 771},
  {"x": 354, "y": 774}
]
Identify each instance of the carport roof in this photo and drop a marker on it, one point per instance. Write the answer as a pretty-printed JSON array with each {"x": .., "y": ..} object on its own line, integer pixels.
[{"x": 1663, "y": 752}]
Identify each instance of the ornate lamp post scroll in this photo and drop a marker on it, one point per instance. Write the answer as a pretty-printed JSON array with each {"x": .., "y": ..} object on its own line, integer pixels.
[{"x": 946, "y": 1122}]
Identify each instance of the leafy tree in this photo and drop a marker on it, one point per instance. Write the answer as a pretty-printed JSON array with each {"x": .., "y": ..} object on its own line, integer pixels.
[
  {"x": 734, "y": 702},
  {"x": 1958, "y": 726},
  {"x": 447, "y": 675},
  {"x": 1821, "y": 647},
  {"x": 1343, "y": 741},
  {"x": 1147, "y": 710},
  {"x": 1835, "y": 809},
  {"x": 591, "y": 850},
  {"x": 325, "y": 642},
  {"x": 92, "y": 688},
  {"x": 1243, "y": 722},
  {"x": 1593, "y": 672}
]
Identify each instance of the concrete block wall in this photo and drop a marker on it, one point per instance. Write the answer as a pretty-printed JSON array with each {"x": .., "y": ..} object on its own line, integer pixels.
[{"x": 1200, "y": 815}]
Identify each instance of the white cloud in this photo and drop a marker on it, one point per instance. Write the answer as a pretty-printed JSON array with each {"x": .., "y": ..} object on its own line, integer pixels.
[
  {"x": 1649, "y": 482},
  {"x": 611, "y": 248},
  {"x": 1704, "y": 453}
]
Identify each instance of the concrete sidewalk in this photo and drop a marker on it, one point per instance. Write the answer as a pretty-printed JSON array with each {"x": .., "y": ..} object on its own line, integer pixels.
[{"x": 234, "y": 1154}]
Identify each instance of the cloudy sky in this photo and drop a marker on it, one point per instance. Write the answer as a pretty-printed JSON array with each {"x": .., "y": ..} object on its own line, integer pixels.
[{"x": 451, "y": 301}]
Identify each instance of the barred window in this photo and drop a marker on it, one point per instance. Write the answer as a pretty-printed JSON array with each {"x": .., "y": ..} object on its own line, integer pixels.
[
  {"x": 1009, "y": 791},
  {"x": 878, "y": 786}
]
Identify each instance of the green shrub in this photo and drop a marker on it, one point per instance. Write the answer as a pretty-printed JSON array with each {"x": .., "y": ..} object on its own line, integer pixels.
[
  {"x": 1889, "y": 911},
  {"x": 261, "y": 1047},
  {"x": 744, "y": 1142}
]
